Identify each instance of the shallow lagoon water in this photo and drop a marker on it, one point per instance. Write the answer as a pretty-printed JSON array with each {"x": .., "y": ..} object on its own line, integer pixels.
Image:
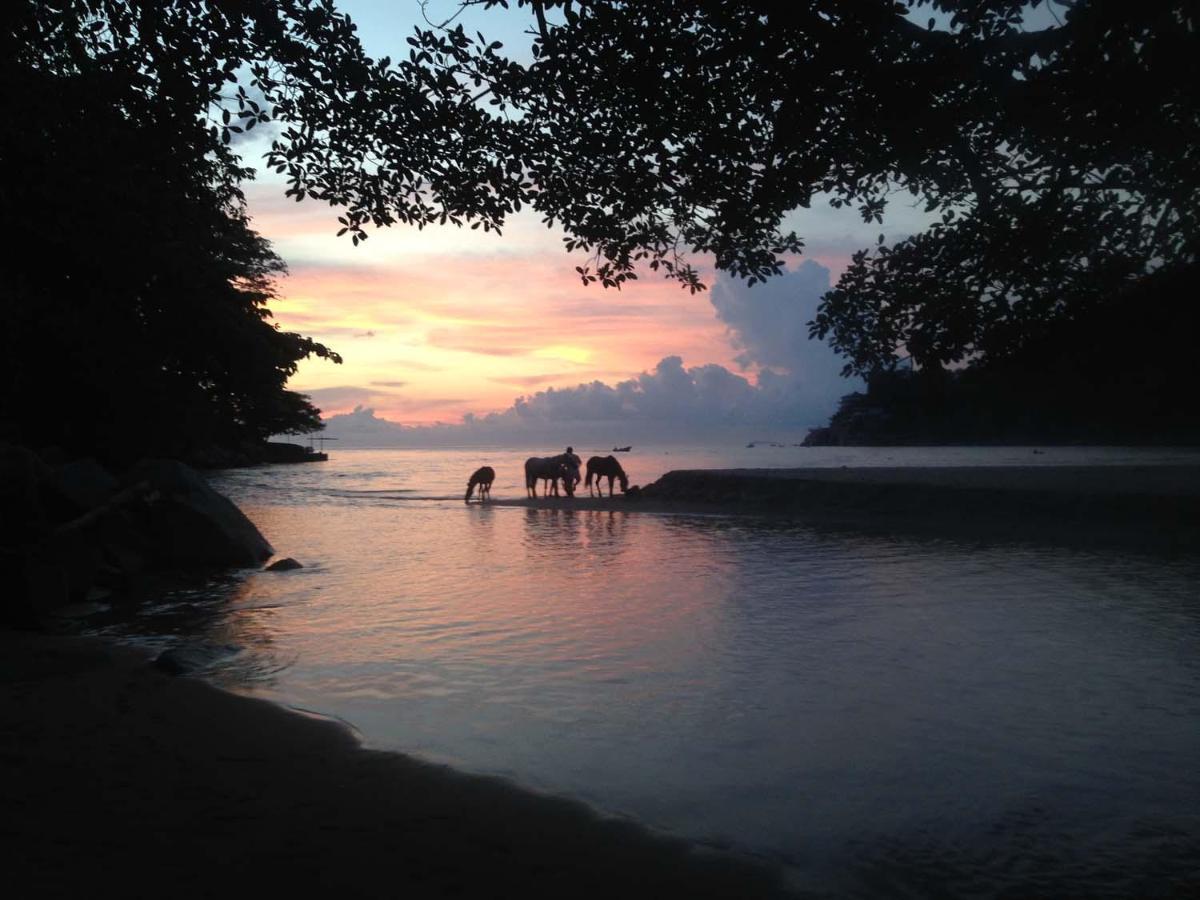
[{"x": 880, "y": 715}]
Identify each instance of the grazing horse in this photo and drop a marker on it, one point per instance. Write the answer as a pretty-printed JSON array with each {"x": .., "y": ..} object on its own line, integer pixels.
[
  {"x": 573, "y": 463},
  {"x": 550, "y": 469},
  {"x": 483, "y": 478},
  {"x": 601, "y": 466}
]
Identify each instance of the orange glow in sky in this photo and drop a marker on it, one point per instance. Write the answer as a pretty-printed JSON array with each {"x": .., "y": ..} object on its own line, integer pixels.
[
  {"x": 437, "y": 323},
  {"x": 433, "y": 324}
]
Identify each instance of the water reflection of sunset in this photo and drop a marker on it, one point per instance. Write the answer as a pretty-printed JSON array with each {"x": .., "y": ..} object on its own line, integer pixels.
[
  {"x": 531, "y": 591},
  {"x": 750, "y": 680}
]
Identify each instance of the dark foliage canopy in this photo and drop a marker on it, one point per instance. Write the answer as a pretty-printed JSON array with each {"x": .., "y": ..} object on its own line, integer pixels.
[
  {"x": 1059, "y": 161},
  {"x": 135, "y": 298},
  {"x": 1090, "y": 379}
]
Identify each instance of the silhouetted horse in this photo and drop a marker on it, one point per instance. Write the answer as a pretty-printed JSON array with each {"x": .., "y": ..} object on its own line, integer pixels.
[
  {"x": 573, "y": 463},
  {"x": 483, "y": 478},
  {"x": 601, "y": 466},
  {"x": 551, "y": 469}
]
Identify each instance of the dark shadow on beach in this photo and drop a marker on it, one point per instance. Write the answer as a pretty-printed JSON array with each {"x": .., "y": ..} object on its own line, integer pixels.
[{"x": 117, "y": 773}]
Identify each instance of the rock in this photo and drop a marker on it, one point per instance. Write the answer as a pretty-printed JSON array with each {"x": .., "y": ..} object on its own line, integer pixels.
[
  {"x": 190, "y": 658},
  {"x": 83, "y": 482},
  {"x": 24, "y": 520},
  {"x": 176, "y": 661},
  {"x": 80, "y": 610},
  {"x": 35, "y": 587},
  {"x": 45, "y": 580},
  {"x": 126, "y": 547},
  {"x": 50, "y": 565},
  {"x": 190, "y": 524},
  {"x": 283, "y": 565},
  {"x": 79, "y": 558}
]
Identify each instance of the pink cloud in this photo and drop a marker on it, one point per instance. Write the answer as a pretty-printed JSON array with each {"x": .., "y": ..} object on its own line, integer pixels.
[
  {"x": 475, "y": 317},
  {"x": 534, "y": 380}
]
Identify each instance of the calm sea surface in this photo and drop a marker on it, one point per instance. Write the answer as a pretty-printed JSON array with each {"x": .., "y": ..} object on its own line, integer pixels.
[{"x": 884, "y": 717}]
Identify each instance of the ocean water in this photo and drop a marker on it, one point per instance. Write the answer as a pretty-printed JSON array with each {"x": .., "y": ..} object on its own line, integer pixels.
[{"x": 880, "y": 716}]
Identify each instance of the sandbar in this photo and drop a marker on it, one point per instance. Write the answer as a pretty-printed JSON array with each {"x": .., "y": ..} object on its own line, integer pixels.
[{"x": 1152, "y": 507}]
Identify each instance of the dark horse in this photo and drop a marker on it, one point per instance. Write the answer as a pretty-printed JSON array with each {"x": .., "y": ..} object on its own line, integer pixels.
[
  {"x": 551, "y": 469},
  {"x": 601, "y": 466},
  {"x": 483, "y": 478}
]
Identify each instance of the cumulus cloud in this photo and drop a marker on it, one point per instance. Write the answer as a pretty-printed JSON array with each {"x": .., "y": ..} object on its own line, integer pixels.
[
  {"x": 671, "y": 402},
  {"x": 361, "y": 422},
  {"x": 703, "y": 399},
  {"x": 788, "y": 383},
  {"x": 768, "y": 324}
]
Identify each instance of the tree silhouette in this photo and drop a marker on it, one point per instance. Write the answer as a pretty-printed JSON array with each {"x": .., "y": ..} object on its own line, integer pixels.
[
  {"x": 1078, "y": 159},
  {"x": 1059, "y": 160},
  {"x": 135, "y": 298}
]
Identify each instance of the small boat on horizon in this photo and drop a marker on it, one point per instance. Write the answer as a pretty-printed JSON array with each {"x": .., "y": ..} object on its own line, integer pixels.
[{"x": 622, "y": 449}]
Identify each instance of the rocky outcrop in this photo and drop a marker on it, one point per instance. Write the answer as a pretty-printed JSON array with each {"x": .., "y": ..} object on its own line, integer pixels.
[
  {"x": 21, "y": 473},
  {"x": 83, "y": 483},
  {"x": 69, "y": 530},
  {"x": 190, "y": 524}
]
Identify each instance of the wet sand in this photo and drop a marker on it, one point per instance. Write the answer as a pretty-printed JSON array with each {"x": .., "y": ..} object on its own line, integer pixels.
[
  {"x": 116, "y": 774},
  {"x": 1155, "y": 507}
]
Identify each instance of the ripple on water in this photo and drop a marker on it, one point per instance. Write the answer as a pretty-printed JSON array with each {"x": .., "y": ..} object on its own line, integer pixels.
[{"x": 892, "y": 717}]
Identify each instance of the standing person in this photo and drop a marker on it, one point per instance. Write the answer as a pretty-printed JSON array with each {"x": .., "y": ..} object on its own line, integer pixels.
[{"x": 575, "y": 462}]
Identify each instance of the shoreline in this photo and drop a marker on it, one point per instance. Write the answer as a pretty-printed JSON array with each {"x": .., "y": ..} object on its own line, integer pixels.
[
  {"x": 1151, "y": 507},
  {"x": 168, "y": 783},
  {"x": 111, "y": 765}
]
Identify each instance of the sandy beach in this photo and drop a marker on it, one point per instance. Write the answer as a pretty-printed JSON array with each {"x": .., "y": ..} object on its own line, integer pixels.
[{"x": 118, "y": 775}]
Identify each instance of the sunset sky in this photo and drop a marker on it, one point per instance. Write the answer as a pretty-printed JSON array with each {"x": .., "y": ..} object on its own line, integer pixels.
[{"x": 439, "y": 323}]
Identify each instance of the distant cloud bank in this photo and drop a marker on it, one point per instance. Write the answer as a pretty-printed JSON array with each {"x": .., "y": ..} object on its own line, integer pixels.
[{"x": 796, "y": 386}]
